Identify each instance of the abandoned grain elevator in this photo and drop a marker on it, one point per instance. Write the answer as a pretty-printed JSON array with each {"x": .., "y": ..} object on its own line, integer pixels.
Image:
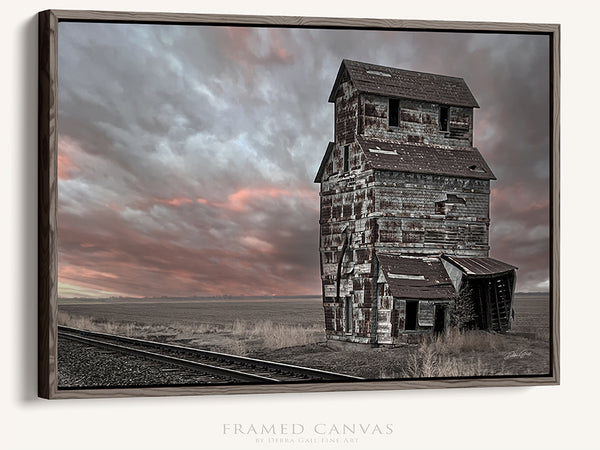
[{"x": 404, "y": 216}]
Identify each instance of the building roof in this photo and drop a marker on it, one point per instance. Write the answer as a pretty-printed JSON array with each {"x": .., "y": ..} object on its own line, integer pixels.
[
  {"x": 391, "y": 82},
  {"x": 397, "y": 157},
  {"x": 479, "y": 266},
  {"x": 415, "y": 278}
]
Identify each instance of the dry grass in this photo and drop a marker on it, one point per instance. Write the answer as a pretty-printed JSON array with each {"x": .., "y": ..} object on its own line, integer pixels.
[
  {"x": 275, "y": 336},
  {"x": 455, "y": 354},
  {"x": 454, "y": 341},
  {"x": 130, "y": 329},
  {"x": 233, "y": 346},
  {"x": 239, "y": 338}
]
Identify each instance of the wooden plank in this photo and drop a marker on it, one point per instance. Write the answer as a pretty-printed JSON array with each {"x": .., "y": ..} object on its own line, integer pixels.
[
  {"x": 482, "y": 312},
  {"x": 425, "y": 317},
  {"x": 290, "y": 21},
  {"x": 310, "y": 387},
  {"x": 554, "y": 204},
  {"x": 490, "y": 324},
  {"x": 495, "y": 293},
  {"x": 506, "y": 298},
  {"x": 47, "y": 197}
]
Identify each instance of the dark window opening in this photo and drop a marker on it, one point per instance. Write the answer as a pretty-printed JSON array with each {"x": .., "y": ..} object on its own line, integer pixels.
[
  {"x": 440, "y": 319},
  {"x": 346, "y": 158},
  {"x": 476, "y": 168},
  {"x": 453, "y": 198},
  {"x": 339, "y": 269},
  {"x": 393, "y": 112},
  {"x": 446, "y": 206},
  {"x": 348, "y": 307},
  {"x": 441, "y": 208},
  {"x": 444, "y": 118},
  {"x": 411, "y": 315}
]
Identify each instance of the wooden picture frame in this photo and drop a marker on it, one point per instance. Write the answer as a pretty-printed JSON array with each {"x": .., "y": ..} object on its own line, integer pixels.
[{"x": 48, "y": 197}]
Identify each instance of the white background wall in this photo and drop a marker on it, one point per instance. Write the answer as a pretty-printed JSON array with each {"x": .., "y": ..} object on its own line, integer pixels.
[{"x": 542, "y": 417}]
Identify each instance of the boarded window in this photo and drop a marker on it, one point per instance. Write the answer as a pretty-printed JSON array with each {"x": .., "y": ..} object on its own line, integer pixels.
[
  {"x": 426, "y": 314},
  {"x": 444, "y": 113},
  {"x": 393, "y": 112}
]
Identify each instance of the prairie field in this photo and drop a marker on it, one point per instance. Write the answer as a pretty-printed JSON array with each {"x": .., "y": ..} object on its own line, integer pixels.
[{"x": 291, "y": 331}]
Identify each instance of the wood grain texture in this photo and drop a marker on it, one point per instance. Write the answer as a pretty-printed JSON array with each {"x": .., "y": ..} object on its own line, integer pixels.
[
  {"x": 47, "y": 197},
  {"x": 47, "y": 191},
  {"x": 306, "y": 388},
  {"x": 294, "y": 21},
  {"x": 555, "y": 202}
]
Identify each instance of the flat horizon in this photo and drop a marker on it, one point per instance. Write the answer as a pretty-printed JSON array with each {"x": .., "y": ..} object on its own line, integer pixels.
[{"x": 234, "y": 297}]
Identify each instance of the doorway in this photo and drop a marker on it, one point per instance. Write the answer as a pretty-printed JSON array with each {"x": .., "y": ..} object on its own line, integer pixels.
[
  {"x": 439, "y": 324},
  {"x": 411, "y": 315}
]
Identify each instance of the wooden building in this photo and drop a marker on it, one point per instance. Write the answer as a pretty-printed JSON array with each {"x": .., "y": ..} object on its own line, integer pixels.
[{"x": 404, "y": 217}]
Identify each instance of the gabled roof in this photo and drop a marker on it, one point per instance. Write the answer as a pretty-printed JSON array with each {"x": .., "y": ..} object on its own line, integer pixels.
[
  {"x": 324, "y": 162},
  {"x": 418, "y": 278},
  {"x": 397, "y": 157},
  {"x": 391, "y": 82},
  {"x": 479, "y": 266}
]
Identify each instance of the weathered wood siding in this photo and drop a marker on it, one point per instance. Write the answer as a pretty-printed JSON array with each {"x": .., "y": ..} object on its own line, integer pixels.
[
  {"x": 363, "y": 210},
  {"x": 347, "y": 201},
  {"x": 346, "y": 114},
  {"x": 418, "y": 122},
  {"x": 405, "y": 204}
]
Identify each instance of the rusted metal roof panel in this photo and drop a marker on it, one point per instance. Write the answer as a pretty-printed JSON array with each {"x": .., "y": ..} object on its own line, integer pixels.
[
  {"x": 397, "y": 157},
  {"x": 415, "y": 278},
  {"x": 399, "y": 83},
  {"x": 479, "y": 266}
]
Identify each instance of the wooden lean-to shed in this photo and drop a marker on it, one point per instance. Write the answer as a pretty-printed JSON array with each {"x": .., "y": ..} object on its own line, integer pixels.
[{"x": 404, "y": 217}]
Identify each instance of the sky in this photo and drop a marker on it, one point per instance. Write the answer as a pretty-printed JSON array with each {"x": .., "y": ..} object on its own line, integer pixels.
[{"x": 187, "y": 154}]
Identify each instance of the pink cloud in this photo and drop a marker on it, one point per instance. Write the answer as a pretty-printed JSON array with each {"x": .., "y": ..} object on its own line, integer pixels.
[
  {"x": 243, "y": 198},
  {"x": 65, "y": 167},
  {"x": 239, "y": 200},
  {"x": 177, "y": 201},
  {"x": 257, "y": 244},
  {"x": 113, "y": 206},
  {"x": 278, "y": 48},
  {"x": 241, "y": 47},
  {"x": 109, "y": 257},
  {"x": 79, "y": 273},
  {"x": 67, "y": 150},
  {"x": 519, "y": 197}
]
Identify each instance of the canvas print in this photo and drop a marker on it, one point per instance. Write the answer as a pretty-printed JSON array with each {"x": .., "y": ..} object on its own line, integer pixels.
[{"x": 259, "y": 205}]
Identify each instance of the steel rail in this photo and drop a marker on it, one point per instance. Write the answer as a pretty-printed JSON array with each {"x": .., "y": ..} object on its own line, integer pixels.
[
  {"x": 241, "y": 360},
  {"x": 206, "y": 368}
]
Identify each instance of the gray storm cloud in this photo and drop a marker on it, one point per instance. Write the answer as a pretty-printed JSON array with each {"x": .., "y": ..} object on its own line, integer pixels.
[{"x": 187, "y": 153}]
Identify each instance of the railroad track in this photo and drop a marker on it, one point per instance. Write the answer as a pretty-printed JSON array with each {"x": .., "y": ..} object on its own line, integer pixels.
[{"x": 225, "y": 367}]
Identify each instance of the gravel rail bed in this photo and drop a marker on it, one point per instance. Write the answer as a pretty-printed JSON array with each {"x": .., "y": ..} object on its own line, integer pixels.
[
  {"x": 222, "y": 365},
  {"x": 81, "y": 366}
]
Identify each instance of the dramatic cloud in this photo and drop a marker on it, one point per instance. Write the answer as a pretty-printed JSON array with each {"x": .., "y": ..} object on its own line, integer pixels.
[{"x": 187, "y": 153}]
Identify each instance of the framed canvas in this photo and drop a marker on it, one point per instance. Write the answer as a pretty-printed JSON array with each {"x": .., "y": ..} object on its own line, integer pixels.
[{"x": 256, "y": 204}]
